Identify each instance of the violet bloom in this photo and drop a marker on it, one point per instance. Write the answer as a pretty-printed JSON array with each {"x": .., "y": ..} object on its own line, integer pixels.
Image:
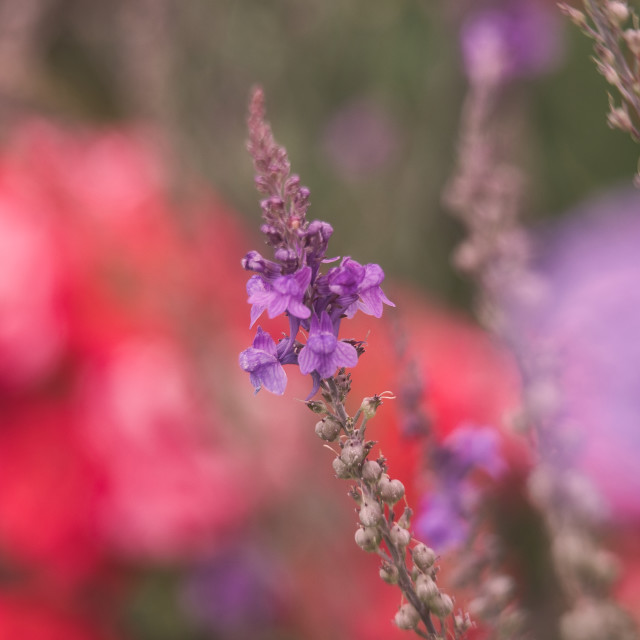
[
  {"x": 513, "y": 38},
  {"x": 591, "y": 315},
  {"x": 261, "y": 362},
  {"x": 285, "y": 293},
  {"x": 371, "y": 296},
  {"x": 444, "y": 518},
  {"x": 441, "y": 522},
  {"x": 323, "y": 352},
  {"x": 345, "y": 279}
]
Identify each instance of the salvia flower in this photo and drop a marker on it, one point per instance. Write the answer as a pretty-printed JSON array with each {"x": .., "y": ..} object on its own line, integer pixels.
[{"x": 261, "y": 361}]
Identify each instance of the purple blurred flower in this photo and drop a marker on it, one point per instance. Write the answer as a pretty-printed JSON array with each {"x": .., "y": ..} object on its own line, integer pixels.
[
  {"x": 236, "y": 594},
  {"x": 285, "y": 293},
  {"x": 444, "y": 518},
  {"x": 468, "y": 449},
  {"x": 323, "y": 352},
  {"x": 360, "y": 138},
  {"x": 592, "y": 317},
  {"x": 513, "y": 38},
  {"x": 441, "y": 522},
  {"x": 261, "y": 362}
]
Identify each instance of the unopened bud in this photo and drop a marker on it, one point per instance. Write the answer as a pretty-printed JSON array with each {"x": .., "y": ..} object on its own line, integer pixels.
[
  {"x": 423, "y": 556},
  {"x": 407, "y": 617},
  {"x": 353, "y": 452},
  {"x": 368, "y": 538},
  {"x": 370, "y": 514},
  {"x": 328, "y": 429},
  {"x": 399, "y": 536},
  {"x": 441, "y": 606},
  {"x": 426, "y": 588},
  {"x": 371, "y": 471},
  {"x": 390, "y": 490}
]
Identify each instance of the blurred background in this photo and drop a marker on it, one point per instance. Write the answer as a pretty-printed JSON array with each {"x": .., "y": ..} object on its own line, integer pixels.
[{"x": 145, "y": 494}]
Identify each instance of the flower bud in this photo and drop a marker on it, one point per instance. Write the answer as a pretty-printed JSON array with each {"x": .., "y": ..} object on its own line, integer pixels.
[
  {"x": 371, "y": 471},
  {"x": 367, "y": 538},
  {"x": 390, "y": 490},
  {"x": 399, "y": 536},
  {"x": 426, "y": 588},
  {"x": 328, "y": 429},
  {"x": 389, "y": 573},
  {"x": 370, "y": 514},
  {"x": 407, "y": 617},
  {"x": 441, "y": 606},
  {"x": 353, "y": 452},
  {"x": 632, "y": 38},
  {"x": 423, "y": 556},
  {"x": 341, "y": 469}
]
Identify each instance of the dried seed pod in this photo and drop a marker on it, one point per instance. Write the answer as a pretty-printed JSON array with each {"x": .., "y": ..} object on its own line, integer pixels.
[
  {"x": 426, "y": 589},
  {"x": 367, "y": 538},
  {"x": 328, "y": 429},
  {"x": 390, "y": 490},
  {"x": 441, "y": 606},
  {"x": 370, "y": 514},
  {"x": 353, "y": 452},
  {"x": 399, "y": 536},
  {"x": 423, "y": 556},
  {"x": 407, "y": 617},
  {"x": 371, "y": 471},
  {"x": 341, "y": 469},
  {"x": 389, "y": 573}
]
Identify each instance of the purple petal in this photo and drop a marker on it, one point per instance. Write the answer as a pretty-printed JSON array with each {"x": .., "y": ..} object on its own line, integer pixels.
[
  {"x": 307, "y": 360},
  {"x": 373, "y": 276},
  {"x": 298, "y": 309},
  {"x": 265, "y": 342},
  {"x": 277, "y": 305},
  {"x": 274, "y": 379},
  {"x": 345, "y": 355},
  {"x": 252, "y": 359},
  {"x": 303, "y": 278},
  {"x": 326, "y": 326}
]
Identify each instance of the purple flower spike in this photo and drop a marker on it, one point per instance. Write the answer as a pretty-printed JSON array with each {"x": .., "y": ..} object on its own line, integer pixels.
[
  {"x": 261, "y": 362},
  {"x": 371, "y": 295},
  {"x": 323, "y": 352},
  {"x": 286, "y": 293}
]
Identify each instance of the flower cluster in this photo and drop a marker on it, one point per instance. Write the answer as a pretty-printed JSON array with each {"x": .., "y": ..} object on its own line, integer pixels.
[{"x": 292, "y": 283}]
